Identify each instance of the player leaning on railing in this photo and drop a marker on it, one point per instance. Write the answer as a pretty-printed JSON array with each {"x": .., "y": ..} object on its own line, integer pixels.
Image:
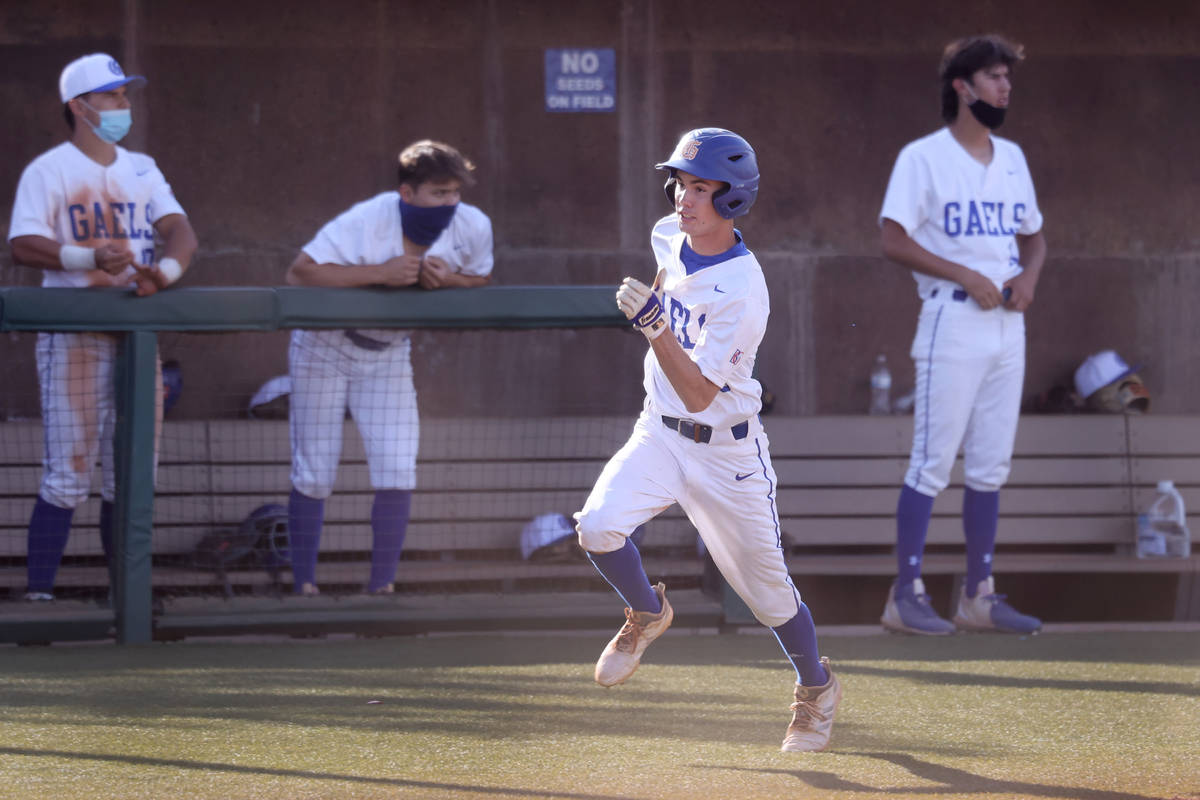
[
  {"x": 420, "y": 234},
  {"x": 698, "y": 441},
  {"x": 87, "y": 212}
]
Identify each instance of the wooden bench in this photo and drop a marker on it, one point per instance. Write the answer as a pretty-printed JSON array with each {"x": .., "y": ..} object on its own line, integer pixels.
[{"x": 1076, "y": 486}]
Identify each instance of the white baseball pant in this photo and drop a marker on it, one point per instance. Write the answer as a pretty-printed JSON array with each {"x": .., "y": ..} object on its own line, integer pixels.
[
  {"x": 75, "y": 377},
  {"x": 737, "y": 519},
  {"x": 331, "y": 374},
  {"x": 970, "y": 370}
]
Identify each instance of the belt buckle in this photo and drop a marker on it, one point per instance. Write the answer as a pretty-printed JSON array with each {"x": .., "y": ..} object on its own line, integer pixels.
[{"x": 689, "y": 429}]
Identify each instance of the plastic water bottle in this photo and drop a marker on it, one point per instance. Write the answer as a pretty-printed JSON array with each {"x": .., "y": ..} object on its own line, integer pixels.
[
  {"x": 1162, "y": 531},
  {"x": 881, "y": 387}
]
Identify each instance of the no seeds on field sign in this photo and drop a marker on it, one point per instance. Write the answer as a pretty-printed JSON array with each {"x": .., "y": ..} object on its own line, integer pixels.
[{"x": 581, "y": 80}]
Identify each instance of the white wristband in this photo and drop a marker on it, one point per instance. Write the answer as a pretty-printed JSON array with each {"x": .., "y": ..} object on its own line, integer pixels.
[
  {"x": 76, "y": 259},
  {"x": 170, "y": 269}
]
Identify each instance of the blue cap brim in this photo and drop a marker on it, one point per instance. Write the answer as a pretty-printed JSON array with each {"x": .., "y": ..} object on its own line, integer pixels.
[{"x": 136, "y": 80}]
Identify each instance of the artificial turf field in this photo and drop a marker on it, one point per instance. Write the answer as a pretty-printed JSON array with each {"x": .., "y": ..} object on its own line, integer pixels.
[{"x": 1061, "y": 715}]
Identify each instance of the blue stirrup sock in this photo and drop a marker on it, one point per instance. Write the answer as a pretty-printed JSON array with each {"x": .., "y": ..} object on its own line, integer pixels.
[
  {"x": 980, "y": 514},
  {"x": 912, "y": 524},
  {"x": 389, "y": 523},
  {"x": 306, "y": 515},
  {"x": 623, "y": 569},
  {"x": 798, "y": 638},
  {"x": 49, "y": 528}
]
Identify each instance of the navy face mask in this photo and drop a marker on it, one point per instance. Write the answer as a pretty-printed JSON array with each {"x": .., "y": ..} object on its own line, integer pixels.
[{"x": 424, "y": 224}]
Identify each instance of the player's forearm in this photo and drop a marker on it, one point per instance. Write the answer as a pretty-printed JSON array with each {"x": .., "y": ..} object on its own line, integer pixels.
[
  {"x": 900, "y": 248},
  {"x": 457, "y": 280},
  {"x": 179, "y": 239},
  {"x": 695, "y": 390},
  {"x": 38, "y": 252},
  {"x": 1033, "y": 253},
  {"x": 307, "y": 272}
]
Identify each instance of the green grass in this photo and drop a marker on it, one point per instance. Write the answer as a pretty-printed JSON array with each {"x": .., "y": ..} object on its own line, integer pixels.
[{"x": 1098, "y": 715}]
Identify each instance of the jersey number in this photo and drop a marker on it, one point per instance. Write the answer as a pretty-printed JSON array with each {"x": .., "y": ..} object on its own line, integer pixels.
[{"x": 681, "y": 317}]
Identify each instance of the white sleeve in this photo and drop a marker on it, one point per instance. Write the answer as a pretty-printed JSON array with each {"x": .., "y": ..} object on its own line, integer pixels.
[
  {"x": 905, "y": 201},
  {"x": 162, "y": 199},
  {"x": 662, "y": 240},
  {"x": 737, "y": 329},
  {"x": 1031, "y": 220},
  {"x": 479, "y": 259},
  {"x": 36, "y": 205},
  {"x": 338, "y": 241}
]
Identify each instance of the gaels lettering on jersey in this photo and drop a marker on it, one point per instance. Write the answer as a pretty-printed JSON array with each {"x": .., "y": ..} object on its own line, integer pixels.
[
  {"x": 981, "y": 219},
  {"x": 109, "y": 221}
]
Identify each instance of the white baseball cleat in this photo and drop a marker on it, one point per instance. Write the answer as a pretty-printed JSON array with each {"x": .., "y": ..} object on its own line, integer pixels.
[
  {"x": 309, "y": 590},
  {"x": 987, "y": 611},
  {"x": 621, "y": 657},
  {"x": 812, "y": 717},
  {"x": 908, "y": 611}
]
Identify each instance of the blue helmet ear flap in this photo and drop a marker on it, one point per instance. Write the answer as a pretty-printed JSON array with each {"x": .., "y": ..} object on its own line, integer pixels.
[{"x": 732, "y": 202}]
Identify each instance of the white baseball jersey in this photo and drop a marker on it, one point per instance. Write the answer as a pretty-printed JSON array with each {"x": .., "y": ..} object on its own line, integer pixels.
[
  {"x": 371, "y": 232},
  {"x": 960, "y": 209},
  {"x": 331, "y": 373},
  {"x": 719, "y": 315},
  {"x": 727, "y": 486},
  {"x": 65, "y": 196},
  {"x": 970, "y": 363}
]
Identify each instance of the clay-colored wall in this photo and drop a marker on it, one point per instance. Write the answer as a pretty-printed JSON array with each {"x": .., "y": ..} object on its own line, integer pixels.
[{"x": 269, "y": 119}]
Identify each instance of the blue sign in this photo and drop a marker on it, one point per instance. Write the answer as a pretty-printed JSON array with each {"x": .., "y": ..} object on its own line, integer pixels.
[{"x": 581, "y": 80}]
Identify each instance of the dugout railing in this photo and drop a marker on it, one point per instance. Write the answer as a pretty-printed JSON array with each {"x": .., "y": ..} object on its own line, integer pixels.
[
  {"x": 1066, "y": 526},
  {"x": 138, "y": 321}
]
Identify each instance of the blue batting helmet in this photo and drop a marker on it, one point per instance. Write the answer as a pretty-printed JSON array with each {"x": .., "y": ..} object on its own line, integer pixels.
[{"x": 716, "y": 154}]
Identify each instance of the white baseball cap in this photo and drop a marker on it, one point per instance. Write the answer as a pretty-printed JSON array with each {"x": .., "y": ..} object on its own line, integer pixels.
[
  {"x": 1099, "y": 370},
  {"x": 98, "y": 72}
]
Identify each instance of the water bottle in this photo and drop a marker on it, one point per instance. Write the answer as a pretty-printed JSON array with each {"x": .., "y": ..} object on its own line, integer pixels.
[
  {"x": 881, "y": 387},
  {"x": 1162, "y": 531}
]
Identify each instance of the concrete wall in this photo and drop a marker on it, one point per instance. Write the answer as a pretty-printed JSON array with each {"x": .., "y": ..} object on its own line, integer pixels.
[{"x": 269, "y": 119}]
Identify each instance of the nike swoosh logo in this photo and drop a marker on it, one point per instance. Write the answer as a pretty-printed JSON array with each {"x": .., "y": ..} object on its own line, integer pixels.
[
  {"x": 717, "y": 288},
  {"x": 143, "y": 172},
  {"x": 742, "y": 477}
]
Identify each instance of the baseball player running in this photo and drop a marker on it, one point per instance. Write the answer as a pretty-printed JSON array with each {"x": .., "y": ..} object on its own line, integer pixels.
[
  {"x": 418, "y": 235},
  {"x": 698, "y": 441},
  {"x": 87, "y": 212},
  {"x": 961, "y": 213}
]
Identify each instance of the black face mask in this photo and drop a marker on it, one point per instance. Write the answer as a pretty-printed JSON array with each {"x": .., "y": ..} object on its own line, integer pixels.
[{"x": 989, "y": 116}]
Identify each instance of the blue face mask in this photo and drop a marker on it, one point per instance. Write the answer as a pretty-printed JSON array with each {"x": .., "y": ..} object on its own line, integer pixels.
[
  {"x": 424, "y": 224},
  {"x": 114, "y": 125}
]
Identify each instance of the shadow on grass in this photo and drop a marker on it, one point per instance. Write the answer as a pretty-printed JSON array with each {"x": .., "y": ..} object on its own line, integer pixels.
[
  {"x": 491, "y": 707},
  {"x": 233, "y": 769},
  {"x": 943, "y": 678},
  {"x": 954, "y": 782}
]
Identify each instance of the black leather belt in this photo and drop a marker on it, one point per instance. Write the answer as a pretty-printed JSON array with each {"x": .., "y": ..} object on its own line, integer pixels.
[
  {"x": 702, "y": 434},
  {"x": 365, "y": 342},
  {"x": 960, "y": 295}
]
